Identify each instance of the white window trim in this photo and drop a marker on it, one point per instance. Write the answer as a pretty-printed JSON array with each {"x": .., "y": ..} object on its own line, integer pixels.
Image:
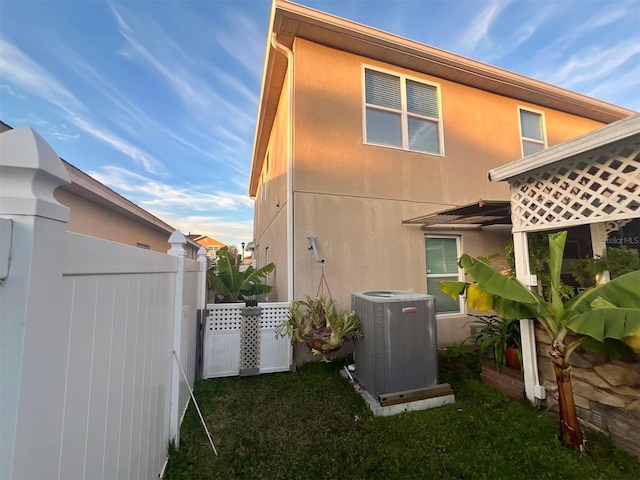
[
  {"x": 404, "y": 113},
  {"x": 264, "y": 177},
  {"x": 532, "y": 140},
  {"x": 461, "y": 303}
]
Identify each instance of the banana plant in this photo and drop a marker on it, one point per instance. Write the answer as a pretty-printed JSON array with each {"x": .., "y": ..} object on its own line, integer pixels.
[
  {"x": 602, "y": 315},
  {"x": 232, "y": 284}
]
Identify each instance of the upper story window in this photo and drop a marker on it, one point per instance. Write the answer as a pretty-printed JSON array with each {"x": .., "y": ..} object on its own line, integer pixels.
[
  {"x": 401, "y": 112},
  {"x": 532, "y": 132},
  {"x": 264, "y": 178}
]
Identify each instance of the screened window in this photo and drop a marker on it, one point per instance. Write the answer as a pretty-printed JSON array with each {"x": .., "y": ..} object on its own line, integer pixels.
[
  {"x": 532, "y": 132},
  {"x": 442, "y": 264},
  {"x": 401, "y": 113}
]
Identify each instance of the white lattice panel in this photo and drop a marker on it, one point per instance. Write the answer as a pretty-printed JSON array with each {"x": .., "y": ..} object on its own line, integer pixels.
[
  {"x": 224, "y": 317},
  {"x": 601, "y": 186},
  {"x": 273, "y": 314},
  {"x": 223, "y": 340}
]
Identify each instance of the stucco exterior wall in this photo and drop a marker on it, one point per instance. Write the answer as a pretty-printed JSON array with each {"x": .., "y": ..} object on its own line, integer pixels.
[
  {"x": 270, "y": 220},
  {"x": 95, "y": 220},
  {"x": 481, "y": 131},
  {"x": 353, "y": 197}
]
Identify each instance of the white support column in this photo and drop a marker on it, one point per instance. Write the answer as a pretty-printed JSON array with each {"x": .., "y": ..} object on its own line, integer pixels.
[
  {"x": 34, "y": 310},
  {"x": 599, "y": 246},
  {"x": 532, "y": 386},
  {"x": 177, "y": 242}
]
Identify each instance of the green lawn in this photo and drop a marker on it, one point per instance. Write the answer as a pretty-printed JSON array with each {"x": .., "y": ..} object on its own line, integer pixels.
[{"x": 311, "y": 424}]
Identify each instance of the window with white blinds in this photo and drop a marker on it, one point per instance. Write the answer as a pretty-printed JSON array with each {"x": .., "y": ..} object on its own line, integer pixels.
[
  {"x": 532, "y": 132},
  {"x": 402, "y": 113},
  {"x": 442, "y": 264}
]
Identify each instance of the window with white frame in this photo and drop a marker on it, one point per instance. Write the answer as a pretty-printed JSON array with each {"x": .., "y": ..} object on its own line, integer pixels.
[
  {"x": 532, "y": 132},
  {"x": 401, "y": 112},
  {"x": 442, "y": 254}
]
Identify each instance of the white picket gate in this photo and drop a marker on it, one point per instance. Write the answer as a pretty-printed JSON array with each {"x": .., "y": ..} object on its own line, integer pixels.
[{"x": 225, "y": 343}]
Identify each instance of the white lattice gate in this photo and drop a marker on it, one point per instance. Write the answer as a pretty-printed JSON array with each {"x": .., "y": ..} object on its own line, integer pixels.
[{"x": 228, "y": 348}]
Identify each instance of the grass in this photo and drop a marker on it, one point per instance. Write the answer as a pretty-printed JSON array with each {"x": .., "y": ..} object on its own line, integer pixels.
[{"x": 311, "y": 424}]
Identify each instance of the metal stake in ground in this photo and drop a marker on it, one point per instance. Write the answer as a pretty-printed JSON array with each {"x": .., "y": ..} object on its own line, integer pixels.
[{"x": 184, "y": 375}]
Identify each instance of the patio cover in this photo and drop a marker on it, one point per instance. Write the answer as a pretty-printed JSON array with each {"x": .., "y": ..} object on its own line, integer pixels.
[{"x": 482, "y": 213}]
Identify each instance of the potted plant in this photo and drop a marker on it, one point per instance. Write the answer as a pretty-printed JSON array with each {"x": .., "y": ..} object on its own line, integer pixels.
[
  {"x": 319, "y": 324},
  {"x": 499, "y": 337},
  {"x": 231, "y": 284}
]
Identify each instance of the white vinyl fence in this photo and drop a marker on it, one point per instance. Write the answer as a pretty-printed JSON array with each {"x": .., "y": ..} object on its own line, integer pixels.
[
  {"x": 237, "y": 344},
  {"x": 89, "y": 384}
]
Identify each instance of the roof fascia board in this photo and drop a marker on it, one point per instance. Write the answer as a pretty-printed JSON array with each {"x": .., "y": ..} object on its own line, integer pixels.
[
  {"x": 92, "y": 190},
  {"x": 624, "y": 129},
  {"x": 298, "y": 14}
]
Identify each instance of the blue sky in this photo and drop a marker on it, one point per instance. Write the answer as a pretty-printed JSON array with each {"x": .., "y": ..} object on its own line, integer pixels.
[{"x": 158, "y": 99}]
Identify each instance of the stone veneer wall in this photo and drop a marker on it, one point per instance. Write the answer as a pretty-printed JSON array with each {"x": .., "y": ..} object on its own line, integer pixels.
[{"x": 606, "y": 392}]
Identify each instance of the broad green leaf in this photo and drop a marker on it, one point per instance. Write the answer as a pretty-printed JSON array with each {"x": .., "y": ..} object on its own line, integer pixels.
[
  {"x": 494, "y": 282},
  {"x": 556, "y": 251},
  {"x": 452, "y": 289},
  {"x": 601, "y": 323},
  {"x": 623, "y": 291}
]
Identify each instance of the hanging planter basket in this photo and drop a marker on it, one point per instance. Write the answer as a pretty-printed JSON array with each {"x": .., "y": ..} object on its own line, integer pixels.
[
  {"x": 321, "y": 341},
  {"x": 319, "y": 324}
]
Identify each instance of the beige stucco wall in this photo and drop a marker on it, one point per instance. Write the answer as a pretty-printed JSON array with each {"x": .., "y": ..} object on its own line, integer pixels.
[
  {"x": 353, "y": 197},
  {"x": 92, "y": 219},
  {"x": 270, "y": 220}
]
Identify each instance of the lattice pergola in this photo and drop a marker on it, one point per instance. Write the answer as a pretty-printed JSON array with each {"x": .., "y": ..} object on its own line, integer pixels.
[
  {"x": 591, "y": 180},
  {"x": 595, "y": 178},
  {"x": 603, "y": 186}
]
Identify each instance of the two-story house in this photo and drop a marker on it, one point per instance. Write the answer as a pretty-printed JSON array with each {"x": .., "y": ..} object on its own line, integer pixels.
[{"x": 362, "y": 136}]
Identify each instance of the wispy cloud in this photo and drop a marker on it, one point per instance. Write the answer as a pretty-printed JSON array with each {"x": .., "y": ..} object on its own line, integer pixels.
[
  {"x": 12, "y": 92},
  {"x": 21, "y": 70},
  {"x": 129, "y": 116},
  {"x": 157, "y": 196},
  {"x": 227, "y": 230},
  {"x": 590, "y": 64},
  {"x": 478, "y": 30},
  {"x": 250, "y": 52},
  {"x": 599, "y": 20},
  {"x": 147, "y": 41}
]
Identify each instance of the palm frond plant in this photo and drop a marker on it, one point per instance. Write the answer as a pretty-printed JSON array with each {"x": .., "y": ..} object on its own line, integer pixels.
[
  {"x": 497, "y": 336},
  {"x": 231, "y": 284},
  {"x": 319, "y": 324},
  {"x": 603, "y": 315}
]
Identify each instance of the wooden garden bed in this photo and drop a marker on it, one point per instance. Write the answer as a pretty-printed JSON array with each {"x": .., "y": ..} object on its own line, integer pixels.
[{"x": 505, "y": 380}]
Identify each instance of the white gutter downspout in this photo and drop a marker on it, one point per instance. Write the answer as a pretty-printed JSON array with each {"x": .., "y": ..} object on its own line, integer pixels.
[{"x": 290, "y": 67}]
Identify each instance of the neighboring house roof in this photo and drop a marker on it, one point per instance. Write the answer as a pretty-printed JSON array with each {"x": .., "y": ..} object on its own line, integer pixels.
[
  {"x": 90, "y": 189},
  {"x": 290, "y": 20},
  {"x": 626, "y": 130},
  {"x": 196, "y": 237}
]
